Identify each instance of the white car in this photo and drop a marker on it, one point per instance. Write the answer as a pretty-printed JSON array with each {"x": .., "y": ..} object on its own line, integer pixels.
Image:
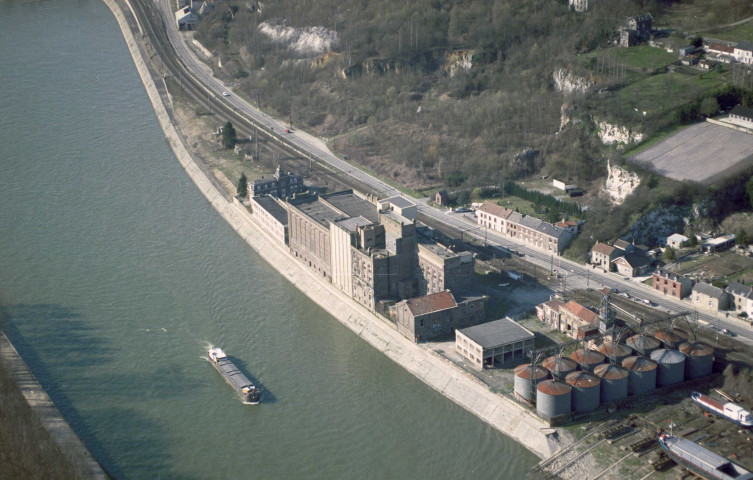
[{"x": 225, "y": 94}]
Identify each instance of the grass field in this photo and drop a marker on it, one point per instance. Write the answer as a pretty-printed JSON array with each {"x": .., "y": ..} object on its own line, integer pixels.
[{"x": 644, "y": 58}]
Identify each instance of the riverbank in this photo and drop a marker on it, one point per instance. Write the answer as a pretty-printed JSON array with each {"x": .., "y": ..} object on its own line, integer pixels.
[
  {"x": 462, "y": 388},
  {"x": 81, "y": 460}
]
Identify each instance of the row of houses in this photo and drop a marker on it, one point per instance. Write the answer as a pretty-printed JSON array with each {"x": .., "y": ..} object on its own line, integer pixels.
[
  {"x": 531, "y": 231},
  {"x": 734, "y": 298},
  {"x": 742, "y": 52}
]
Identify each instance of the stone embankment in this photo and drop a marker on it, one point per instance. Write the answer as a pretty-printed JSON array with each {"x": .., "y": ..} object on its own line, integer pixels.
[
  {"x": 49, "y": 416},
  {"x": 462, "y": 388}
]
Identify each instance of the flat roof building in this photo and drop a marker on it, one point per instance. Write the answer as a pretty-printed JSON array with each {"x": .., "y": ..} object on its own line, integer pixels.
[
  {"x": 272, "y": 216},
  {"x": 494, "y": 343}
]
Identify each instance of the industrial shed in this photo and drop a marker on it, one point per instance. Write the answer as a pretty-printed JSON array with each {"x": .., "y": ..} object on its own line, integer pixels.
[{"x": 493, "y": 343}]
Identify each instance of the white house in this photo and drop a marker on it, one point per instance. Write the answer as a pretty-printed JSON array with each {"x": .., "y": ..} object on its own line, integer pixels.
[
  {"x": 744, "y": 52},
  {"x": 676, "y": 240}
]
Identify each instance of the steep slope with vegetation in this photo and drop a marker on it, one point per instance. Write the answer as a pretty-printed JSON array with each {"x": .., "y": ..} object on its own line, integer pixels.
[{"x": 475, "y": 92}]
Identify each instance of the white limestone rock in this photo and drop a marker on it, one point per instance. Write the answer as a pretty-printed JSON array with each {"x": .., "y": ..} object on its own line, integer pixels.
[{"x": 620, "y": 183}]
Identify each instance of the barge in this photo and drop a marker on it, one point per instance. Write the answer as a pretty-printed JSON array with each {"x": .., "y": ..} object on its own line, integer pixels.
[
  {"x": 731, "y": 411},
  {"x": 248, "y": 392},
  {"x": 699, "y": 460}
]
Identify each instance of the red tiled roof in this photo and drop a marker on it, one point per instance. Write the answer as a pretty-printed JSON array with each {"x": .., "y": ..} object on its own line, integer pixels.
[
  {"x": 720, "y": 47},
  {"x": 431, "y": 303},
  {"x": 567, "y": 223},
  {"x": 496, "y": 210},
  {"x": 554, "y": 304},
  {"x": 581, "y": 312},
  {"x": 602, "y": 248}
]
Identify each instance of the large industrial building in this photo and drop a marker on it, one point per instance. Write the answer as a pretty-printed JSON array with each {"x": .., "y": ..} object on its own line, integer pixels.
[{"x": 494, "y": 343}]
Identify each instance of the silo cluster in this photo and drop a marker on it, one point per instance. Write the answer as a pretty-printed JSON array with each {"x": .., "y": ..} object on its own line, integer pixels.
[
  {"x": 699, "y": 361},
  {"x": 614, "y": 382},
  {"x": 586, "y": 395},
  {"x": 587, "y": 359},
  {"x": 643, "y": 344},
  {"x": 553, "y": 398},
  {"x": 669, "y": 338},
  {"x": 641, "y": 375},
  {"x": 615, "y": 352},
  {"x": 559, "y": 366},
  {"x": 671, "y": 366},
  {"x": 527, "y": 376}
]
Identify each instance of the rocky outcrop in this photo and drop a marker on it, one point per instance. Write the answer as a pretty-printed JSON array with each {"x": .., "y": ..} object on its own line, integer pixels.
[
  {"x": 458, "y": 61},
  {"x": 611, "y": 134},
  {"x": 568, "y": 83},
  {"x": 658, "y": 224},
  {"x": 620, "y": 183},
  {"x": 305, "y": 41}
]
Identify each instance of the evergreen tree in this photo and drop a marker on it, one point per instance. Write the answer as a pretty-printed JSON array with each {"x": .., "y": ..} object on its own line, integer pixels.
[
  {"x": 669, "y": 254},
  {"x": 741, "y": 237},
  {"x": 243, "y": 185},
  {"x": 228, "y": 136}
]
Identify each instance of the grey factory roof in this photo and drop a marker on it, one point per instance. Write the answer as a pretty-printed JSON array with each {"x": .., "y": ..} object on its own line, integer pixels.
[
  {"x": 352, "y": 205},
  {"x": 497, "y": 333},
  {"x": 399, "y": 201},
  {"x": 272, "y": 207},
  {"x": 708, "y": 290},
  {"x": 352, "y": 223},
  {"x": 318, "y": 210}
]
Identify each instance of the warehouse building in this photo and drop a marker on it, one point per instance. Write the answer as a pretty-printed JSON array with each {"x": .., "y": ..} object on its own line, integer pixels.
[{"x": 494, "y": 343}]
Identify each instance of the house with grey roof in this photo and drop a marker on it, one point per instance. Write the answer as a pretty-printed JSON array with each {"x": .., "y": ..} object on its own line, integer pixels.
[
  {"x": 602, "y": 255},
  {"x": 709, "y": 297},
  {"x": 744, "y": 52},
  {"x": 280, "y": 185},
  {"x": 740, "y": 299},
  {"x": 632, "y": 265},
  {"x": 494, "y": 343},
  {"x": 530, "y": 231}
]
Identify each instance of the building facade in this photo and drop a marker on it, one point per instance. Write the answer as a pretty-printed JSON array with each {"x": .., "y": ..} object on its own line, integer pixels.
[
  {"x": 494, "y": 343},
  {"x": 440, "y": 269},
  {"x": 281, "y": 185},
  {"x": 602, "y": 255},
  {"x": 423, "y": 318},
  {"x": 272, "y": 216},
  {"x": 672, "y": 284},
  {"x": 530, "y": 231},
  {"x": 740, "y": 299},
  {"x": 709, "y": 297}
]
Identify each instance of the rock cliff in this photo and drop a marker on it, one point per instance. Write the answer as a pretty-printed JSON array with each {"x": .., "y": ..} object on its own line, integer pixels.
[{"x": 620, "y": 183}]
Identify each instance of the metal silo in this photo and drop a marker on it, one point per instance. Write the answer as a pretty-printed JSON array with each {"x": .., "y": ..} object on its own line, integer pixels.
[
  {"x": 586, "y": 393},
  {"x": 523, "y": 375},
  {"x": 668, "y": 337},
  {"x": 671, "y": 366},
  {"x": 559, "y": 366},
  {"x": 642, "y": 375},
  {"x": 615, "y": 352},
  {"x": 553, "y": 398},
  {"x": 587, "y": 359},
  {"x": 699, "y": 361},
  {"x": 614, "y": 382},
  {"x": 643, "y": 344}
]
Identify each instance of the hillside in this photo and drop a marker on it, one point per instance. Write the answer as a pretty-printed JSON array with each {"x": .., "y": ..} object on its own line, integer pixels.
[{"x": 460, "y": 94}]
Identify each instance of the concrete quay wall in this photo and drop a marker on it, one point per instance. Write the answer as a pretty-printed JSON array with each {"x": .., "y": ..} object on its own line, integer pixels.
[
  {"x": 49, "y": 416},
  {"x": 462, "y": 388}
]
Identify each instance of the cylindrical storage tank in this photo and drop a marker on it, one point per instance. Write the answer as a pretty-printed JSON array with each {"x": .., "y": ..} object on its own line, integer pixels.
[
  {"x": 586, "y": 391},
  {"x": 523, "y": 375},
  {"x": 642, "y": 375},
  {"x": 553, "y": 398},
  {"x": 614, "y": 382},
  {"x": 559, "y": 366},
  {"x": 643, "y": 344},
  {"x": 587, "y": 359},
  {"x": 699, "y": 361},
  {"x": 684, "y": 335},
  {"x": 615, "y": 351},
  {"x": 671, "y": 366},
  {"x": 668, "y": 337}
]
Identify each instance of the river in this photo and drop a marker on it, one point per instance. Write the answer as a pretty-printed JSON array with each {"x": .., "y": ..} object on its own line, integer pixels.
[{"x": 116, "y": 274}]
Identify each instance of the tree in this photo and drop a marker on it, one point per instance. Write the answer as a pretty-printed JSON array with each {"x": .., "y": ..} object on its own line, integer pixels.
[
  {"x": 741, "y": 237},
  {"x": 243, "y": 185},
  {"x": 697, "y": 42},
  {"x": 709, "y": 107},
  {"x": 669, "y": 254},
  {"x": 228, "y": 136},
  {"x": 749, "y": 190}
]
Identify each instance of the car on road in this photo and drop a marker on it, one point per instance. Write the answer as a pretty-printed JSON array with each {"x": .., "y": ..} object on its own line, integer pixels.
[
  {"x": 225, "y": 94},
  {"x": 728, "y": 332}
]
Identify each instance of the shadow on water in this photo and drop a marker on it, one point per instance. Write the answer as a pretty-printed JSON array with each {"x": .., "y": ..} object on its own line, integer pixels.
[
  {"x": 266, "y": 395},
  {"x": 43, "y": 331}
]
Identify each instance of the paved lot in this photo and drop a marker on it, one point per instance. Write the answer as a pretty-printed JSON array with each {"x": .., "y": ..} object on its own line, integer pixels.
[{"x": 699, "y": 152}]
